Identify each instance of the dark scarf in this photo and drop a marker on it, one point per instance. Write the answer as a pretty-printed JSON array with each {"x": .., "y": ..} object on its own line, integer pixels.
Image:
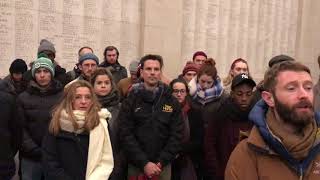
[
  {"x": 112, "y": 99},
  {"x": 147, "y": 95},
  {"x": 15, "y": 87},
  {"x": 186, "y": 132}
]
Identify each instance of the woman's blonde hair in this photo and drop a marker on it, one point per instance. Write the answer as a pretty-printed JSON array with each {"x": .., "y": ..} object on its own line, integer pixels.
[
  {"x": 226, "y": 81},
  {"x": 92, "y": 116}
]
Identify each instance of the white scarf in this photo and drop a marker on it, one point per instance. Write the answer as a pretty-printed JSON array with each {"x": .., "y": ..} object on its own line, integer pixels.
[{"x": 100, "y": 158}]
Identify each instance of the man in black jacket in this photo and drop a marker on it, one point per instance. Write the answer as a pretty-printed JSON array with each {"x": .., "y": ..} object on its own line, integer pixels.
[
  {"x": 34, "y": 111},
  {"x": 150, "y": 123},
  {"x": 10, "y": 134},
  {"x": 111, "y": 61}
]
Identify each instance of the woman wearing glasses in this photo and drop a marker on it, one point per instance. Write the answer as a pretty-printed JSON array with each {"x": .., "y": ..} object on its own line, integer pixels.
[{"x": 182, "y": 167}]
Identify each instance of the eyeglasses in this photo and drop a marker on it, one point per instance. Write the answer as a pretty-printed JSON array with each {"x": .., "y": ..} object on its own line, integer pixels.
[{"x": 177, "y": 91}]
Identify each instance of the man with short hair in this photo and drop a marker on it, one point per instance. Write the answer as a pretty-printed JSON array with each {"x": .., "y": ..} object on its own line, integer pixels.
[
  {"x": 229, "y": 122},
  {"x": 150, "y": 124},
  {"x": 34, "y": 110},
  {"x": 111, "y": 61},
  {"x": 46, "y": 49},
  {"x": 199, "y": 57},
  {"x": 284, "y": 142},
  {"x": 125, "y": 84},
  {"x": 76, "y": 72},
  {"x": 87, "y": 64},
  {"x": 14, "y": 83}
]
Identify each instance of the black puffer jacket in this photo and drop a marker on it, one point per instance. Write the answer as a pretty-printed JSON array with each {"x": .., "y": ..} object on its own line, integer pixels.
[
  {"x": 34, "y": 109},
  {"x": 14, "y": 88},
  {"x": 65, "y": 155},
  {"x": 10, "y": 134},
  {"x": 151, "y": 127}
]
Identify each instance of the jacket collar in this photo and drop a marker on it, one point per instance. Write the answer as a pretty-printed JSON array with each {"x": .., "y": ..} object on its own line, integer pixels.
[{"x": 261, "y": 139}]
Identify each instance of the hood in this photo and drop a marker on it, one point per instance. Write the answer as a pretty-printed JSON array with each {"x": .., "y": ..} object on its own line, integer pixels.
[{"x": 258, "y": 117}]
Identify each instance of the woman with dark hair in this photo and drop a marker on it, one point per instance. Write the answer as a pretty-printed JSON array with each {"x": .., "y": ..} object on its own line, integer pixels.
[
  {"x": 182, "y": 167},
  {"x": 78, "y": 146},
  {"x": 109, "y": 97},
  {"x": 206, "y": 99}
]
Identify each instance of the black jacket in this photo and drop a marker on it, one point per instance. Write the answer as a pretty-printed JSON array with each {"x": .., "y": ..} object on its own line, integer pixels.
[
  {"x": 151, "y": 128},
  {"x": 118, "y": 72},
  {"x": 14, "y": 88},
  {"x": 34, "y": 110},
  {"x": 65, "y": 156},
  {"x": 10, "y": 134}
]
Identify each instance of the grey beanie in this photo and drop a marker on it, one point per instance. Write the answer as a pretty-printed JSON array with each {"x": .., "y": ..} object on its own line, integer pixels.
[
  {"x": 46, "y": 45},
  {"x": 133, "y": 66},
  {"x": 88, "y": 56}
]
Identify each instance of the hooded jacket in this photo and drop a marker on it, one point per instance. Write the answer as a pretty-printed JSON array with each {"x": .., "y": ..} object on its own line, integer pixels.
[
  {"x": 10, "y": 134},
  {"x": 263, "y": 156}
]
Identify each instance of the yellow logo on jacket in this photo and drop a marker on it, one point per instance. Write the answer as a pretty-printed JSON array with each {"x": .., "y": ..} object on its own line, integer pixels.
[
  {"x": 167, "y": 108},
  {"x": 318, "y": 134}
]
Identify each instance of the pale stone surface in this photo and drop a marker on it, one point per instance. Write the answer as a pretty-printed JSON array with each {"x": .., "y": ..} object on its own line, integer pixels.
[{"x": 255, "y": 30}]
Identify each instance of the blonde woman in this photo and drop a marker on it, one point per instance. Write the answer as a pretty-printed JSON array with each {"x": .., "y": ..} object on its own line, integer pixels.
[{"x": 78, "y": 146}]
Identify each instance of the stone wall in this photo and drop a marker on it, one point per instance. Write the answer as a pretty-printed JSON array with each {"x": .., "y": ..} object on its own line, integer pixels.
[{"x": 254, "y": 30}]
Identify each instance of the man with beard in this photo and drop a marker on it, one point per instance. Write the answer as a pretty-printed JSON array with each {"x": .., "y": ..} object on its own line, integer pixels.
[
  {"x": 229, "y": 123},
  {"x": 111, "y": 61},
  {"x": 284, "y": 142},
  {"x": 87, "y": 64}
]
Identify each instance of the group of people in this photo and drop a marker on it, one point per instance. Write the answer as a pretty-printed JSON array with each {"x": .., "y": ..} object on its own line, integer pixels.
[{"x": 95, "y": 122}]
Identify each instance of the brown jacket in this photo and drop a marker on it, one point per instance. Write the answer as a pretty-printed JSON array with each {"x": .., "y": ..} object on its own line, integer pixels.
[{"x": 252, "y": 159}]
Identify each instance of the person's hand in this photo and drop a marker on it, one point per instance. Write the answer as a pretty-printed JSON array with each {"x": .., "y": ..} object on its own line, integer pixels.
[{"x": 151, "y": 169}]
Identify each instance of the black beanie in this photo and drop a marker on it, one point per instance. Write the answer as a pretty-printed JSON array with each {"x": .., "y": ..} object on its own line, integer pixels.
[{"x": 18, "y": 66}]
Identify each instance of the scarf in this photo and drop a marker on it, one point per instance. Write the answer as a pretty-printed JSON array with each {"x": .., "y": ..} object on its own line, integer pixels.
[
  {"x": 112, "y": 99},
  {"x": 298, "y": 147},
  {"x": 100, "y": 158},
  {"x": 147, "y": 95},
  {"x": 186, "y": 132},
  {"x": 208, "y": 95},
  {"x": 67, "y": 125}
]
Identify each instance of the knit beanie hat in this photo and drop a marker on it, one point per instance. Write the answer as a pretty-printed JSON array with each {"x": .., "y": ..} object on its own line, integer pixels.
[
  {"x": 88, "y": 56},
  {"x": 18, "y": 66},
  {"x": 46, "y": 45},
  {"x": 190, "y": 66},
  {"x": 278, "y": 59},
  {"x": 42, "y": 63},
  {"x": 199, "y": 53},
  {"x": 133, "y": 66}
]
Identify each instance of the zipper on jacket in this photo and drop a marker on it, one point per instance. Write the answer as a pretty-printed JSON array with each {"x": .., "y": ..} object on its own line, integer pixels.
[{"x": 301, "y": 172}]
